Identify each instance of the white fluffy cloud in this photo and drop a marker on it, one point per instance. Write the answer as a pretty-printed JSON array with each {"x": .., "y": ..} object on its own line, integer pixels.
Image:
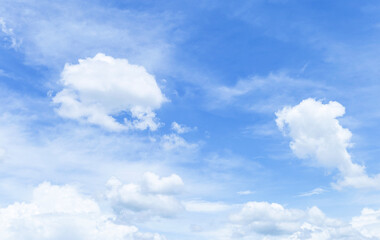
[
  {"x": 163, "y": 185},
  {"x": 263, "y": 220},
  {"x": 317, "y": 136},
  {"x": 154, "y": 197},
  {"x": 368, "y": 223},
  {"x": 60, "y": 213},
  {"x": 99, "y": 88},
  {"x": 273, "y": 219}
]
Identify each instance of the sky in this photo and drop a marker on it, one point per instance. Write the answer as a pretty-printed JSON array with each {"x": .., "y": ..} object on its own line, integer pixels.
[{"x": 179, "y": 120}]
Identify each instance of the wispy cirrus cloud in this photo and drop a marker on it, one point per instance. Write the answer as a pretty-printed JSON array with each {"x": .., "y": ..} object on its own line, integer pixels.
[
  {"x": 59, "y": 32},
  {"x": 315, "y": 191},
  {"x": 264, "y": 94}
]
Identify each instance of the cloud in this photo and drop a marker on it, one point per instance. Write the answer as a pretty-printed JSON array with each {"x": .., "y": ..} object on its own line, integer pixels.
[
  {"x": 318, "y": 138},
  {"x": 2, "y": 154},
  {"x": 263, "y": 220},
  {"x": 155, "y": 197},
  {"x": 173, "y": 141},
  {"x": 315, "y": 191},
  {"x": 180, "y": 128},
  {"x": 82, "y": 154},
  {"x": 60, "y": 213},
  {"x": 163, "y": 185},
  {"x": 368, "y": 223},
  {"x": 9, "y": 34},
  {"x": 53, "y": 33},
  {"x": 264, "y": 94},
  {"x": 266, "y": 218},
  {"x": 246, "y": 192},
  {"x": 96, "y": 89},
  {"x": 205, "y": 207},
  {"x": 261, "y": 130}
]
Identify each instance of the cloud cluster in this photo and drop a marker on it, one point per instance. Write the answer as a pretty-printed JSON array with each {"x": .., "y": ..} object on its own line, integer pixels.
[
  {"x": 154, "y": 197},
  {"x": 368, "y": 223},
  {"x": 97, "y": 90},
  {"x": 263, "y": 220},
  {"x": 318, "y": 137},
  {"x": 60, "y": 213}
]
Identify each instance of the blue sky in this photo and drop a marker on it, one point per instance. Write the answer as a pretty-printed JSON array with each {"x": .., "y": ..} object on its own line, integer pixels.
[{"x": 189, "y": 120}]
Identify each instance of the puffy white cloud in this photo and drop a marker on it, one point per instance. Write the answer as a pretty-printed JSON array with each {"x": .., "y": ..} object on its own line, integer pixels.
[
  {"x": 162, "y": 185},
  {"x": 153, "y": 198},
  {"x": 263, "y": 220},
  {"x": 99, "y": 88},
  {"x": 60, "y": 212},
  {"x": 368, "y": 223},
  {"x": 317, "y": 136},
  {"x": 269, "y": 218}
]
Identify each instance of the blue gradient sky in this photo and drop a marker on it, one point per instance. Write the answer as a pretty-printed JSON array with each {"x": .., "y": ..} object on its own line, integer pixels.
[{"x": 226, "y": 68}]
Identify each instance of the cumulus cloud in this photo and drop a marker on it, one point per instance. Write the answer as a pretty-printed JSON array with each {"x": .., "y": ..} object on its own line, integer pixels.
[
  {"x": 155, "y": 197},
  {"x": 263, "y": 220},
  {"x": 266, "y": 218},
  {"x": 60, "y": 212},
  {"x": 163, "y": 185},
  {"x": 318, "y": 137},
  {"x": 368, "y": 223},
  {"x": 98, "y": 89}
]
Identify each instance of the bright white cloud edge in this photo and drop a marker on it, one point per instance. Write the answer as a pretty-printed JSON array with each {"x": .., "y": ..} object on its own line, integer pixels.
[
  {"x": 317, "y": 137},
  {"x": 60, "y": 213},
  {"x": 98, "y": 89}
]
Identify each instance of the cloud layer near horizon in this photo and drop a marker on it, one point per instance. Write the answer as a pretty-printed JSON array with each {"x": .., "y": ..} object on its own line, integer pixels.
[{"x": 61, "y": 213}]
